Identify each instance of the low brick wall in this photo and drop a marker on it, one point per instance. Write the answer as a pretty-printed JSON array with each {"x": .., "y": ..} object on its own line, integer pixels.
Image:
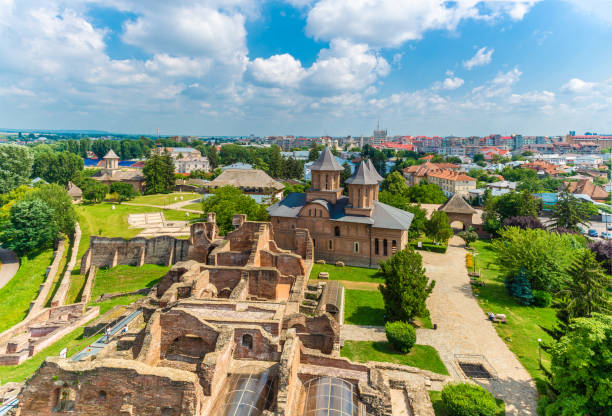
[
  {"x": 89, "y": 284},
  {"x": 45, "y": 288},
  {"x": 60, "y": 296}
]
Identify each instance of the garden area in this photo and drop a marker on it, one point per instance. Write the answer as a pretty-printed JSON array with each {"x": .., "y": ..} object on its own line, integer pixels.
[
  {"x": 127, "y": 279},
  {"x": 347, "y": 273},
  {"x": 420, "y": 356},
  {"x": 162, "y": 200}
]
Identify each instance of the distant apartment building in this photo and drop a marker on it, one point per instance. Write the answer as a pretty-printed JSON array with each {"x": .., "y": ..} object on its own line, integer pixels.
[
  {"x": 446, "y": 175},
  {"x": 187, "y": 159},
  {"x": 596, "y": 142},
  {"x": 544, "y": 168},
  {"x": 492, "y": 151},
  {"x": 588, "y": 188}
]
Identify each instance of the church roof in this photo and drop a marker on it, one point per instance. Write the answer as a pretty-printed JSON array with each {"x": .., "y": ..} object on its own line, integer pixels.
[
  {"x": 326, "y": 162},
  {"x": 383, "y": 215},
  {"x": 370, "y": 166},
  {"x": 457, "y": 205},
  {"x": 363, "y": 176},
  {"x": 111, "y": 155},
  {"x": 74, "y": 190},
  {"x": 245, "y": 178}
]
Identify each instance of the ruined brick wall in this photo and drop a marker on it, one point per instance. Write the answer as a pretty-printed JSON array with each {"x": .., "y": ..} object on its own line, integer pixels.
[
  {"x": 251, "y": 343},
  {"x": 288, "y": 264},
  {"x": 123, "y": 386},
  {"x": 289, "y": 385},
  {"x": 318, "y": 332},
  {"x": 225, "y": 277},
  {"x": 263, "y": 282},
  {"x": 232, "y": 258},
  {"x": 110, "y": 252}
]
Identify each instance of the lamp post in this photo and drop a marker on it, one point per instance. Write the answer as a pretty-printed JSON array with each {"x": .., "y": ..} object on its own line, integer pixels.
[{"x": 540, "y": 351}]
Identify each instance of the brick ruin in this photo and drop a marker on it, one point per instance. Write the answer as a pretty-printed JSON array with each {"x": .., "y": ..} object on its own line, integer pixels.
[{"x": 227, "y": 331}]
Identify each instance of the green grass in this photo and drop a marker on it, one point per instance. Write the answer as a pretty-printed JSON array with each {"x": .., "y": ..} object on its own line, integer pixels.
[
  {"x": 525, "y": 323},
  {"x": 363, "y": 307},
  {"x": 127, "y": 278},
  {"x": 16, "y": 295},
  {"x": 109, "y": 304},
  {"x": 164, "y": 199},
  {"x": 197, "y": 205},
  {"x": 354, "y": 274},
  {"x": 440, "y": 410},
  {"x": 420, "y": 356},
  {"x": 77, "y": 282},
  {"x": 21, "y": 372}
]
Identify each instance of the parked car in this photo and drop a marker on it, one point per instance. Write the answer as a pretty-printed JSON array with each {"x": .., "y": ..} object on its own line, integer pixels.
[
  {"x": 593, "y": 233},
  {"x": 606, "y": 235},
  {"x": 610, "y": 227}
]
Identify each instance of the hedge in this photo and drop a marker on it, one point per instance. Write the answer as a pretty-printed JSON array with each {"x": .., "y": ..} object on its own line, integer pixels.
[
  {"x": 430, "y": 247},
  {"x": 401, "y": 335},
  {"x": 464, "y": 399}
]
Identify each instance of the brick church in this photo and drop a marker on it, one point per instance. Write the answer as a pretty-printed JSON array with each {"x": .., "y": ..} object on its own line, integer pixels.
[{"x": 356, "y": 229}]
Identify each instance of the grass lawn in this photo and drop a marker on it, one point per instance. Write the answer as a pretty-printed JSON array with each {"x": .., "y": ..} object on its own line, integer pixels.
[
  {"x": 440, "y": 410},
  {"x": 109, "y": 304},
  {"x": 127, "y": 278},
  {"x": 420, "y": 356},
  {"x": 21, "y": 372},
  {"x": 354, "y": 274},
  {"x": 164, "y": 199},
  {"x": 77, "y": 281},
  {"x": 523, "y": 329},
  {"x": 16, "y": 295},
  {"x": 364, "y": 307},
  {"x": 196, "y": 205}
]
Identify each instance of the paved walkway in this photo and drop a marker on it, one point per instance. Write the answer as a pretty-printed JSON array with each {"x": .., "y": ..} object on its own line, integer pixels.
[
  {"x": 195, "y": 211},
  {"x": 463, "y": 328},
  {"x": 10, "y": 265}
]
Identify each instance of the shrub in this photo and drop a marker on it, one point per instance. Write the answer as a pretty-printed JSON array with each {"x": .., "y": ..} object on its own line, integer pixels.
[
  {"x": 430, "y": 247},
  {"x": 401, "y": 335},
  {"x": 469, "y": 260},
  {"x": 519, "y": 287},
  {"x": 541, "y": 299},
  {"x": 464, "y": 399}
]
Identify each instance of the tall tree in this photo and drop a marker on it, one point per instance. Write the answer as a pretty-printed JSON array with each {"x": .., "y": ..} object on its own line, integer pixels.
[
  {"x": 438, "y": 227},
  {"x": 57, "y": 167},
  {"x": 93, "y": 191},
  {"x": 15, "y": 166},
  {"x": 159, "y": 173},
  {"x": 395, "y": 183},
  {"x": 276, "y": 162},
  {"x": 581, "y": 370},
  {"x": 345, "y": 174},
  {"x": 30, "y": 227},
  {"x": 227, "y": 201},
  {"x": 213, "y": 156},
  {"x": 570, "y": 212},
  {"x": 426, "y": 193},
  {"x": 406, "y": 286},
  {"x": 59, "y": 201},
  {"x": 587, "y": 290},
  {"x": 313, "y": 154}
]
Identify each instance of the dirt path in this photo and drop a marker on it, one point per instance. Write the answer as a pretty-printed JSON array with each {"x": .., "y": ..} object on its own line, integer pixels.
[
  {"x": 9, "y": 266},
  {"x": 463, "y": 328},
  {"x": 349, "y": 284}
]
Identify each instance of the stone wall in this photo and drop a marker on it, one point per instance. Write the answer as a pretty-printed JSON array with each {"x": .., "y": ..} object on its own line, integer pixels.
[
  {"x": 110, "y": 252},
  {"x": 45, "y": 288},
  {"x": 60, "y": 296}
]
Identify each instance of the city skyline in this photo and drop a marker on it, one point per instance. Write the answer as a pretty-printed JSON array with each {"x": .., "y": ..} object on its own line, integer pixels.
[{"x": 307, "y": 67}]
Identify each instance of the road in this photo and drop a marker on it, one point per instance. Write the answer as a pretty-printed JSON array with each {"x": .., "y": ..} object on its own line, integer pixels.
[{"x": 10, "y": 265}]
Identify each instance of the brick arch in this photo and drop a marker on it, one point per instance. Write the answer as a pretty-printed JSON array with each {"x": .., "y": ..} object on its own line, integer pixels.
[
  {"x": 314, "y": 205},
  {"x": 178, "y": 323}
]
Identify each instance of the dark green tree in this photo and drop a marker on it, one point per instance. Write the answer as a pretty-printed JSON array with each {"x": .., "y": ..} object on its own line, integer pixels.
[
  {"x": 581, "y": 370},
  {"x": 345, "y": 174},
  {"x": 213, "y": 155},
  {"x": 59, "y": 201},
  {"x": 57, "y": 167},
  {"x": 426, "y": 193},
  {"x": 15, "y": 166},
  {"x": 313, "y": 154},
  {"x": 159, "y": 173},
  {"x": 31, "y": 227},
  {"x": 587, "y": 290},
  {"x": 570, "y": 212},
  {"x": 276, "y": 162},
  {"x": 519, "y": 287},
  {"x": 478, "y": 157},
  {"x": 438, "y": 227},
  {"x": 124, "y": 191},
  {"x": 93, "y": 191},
  {"x": 227, "y": 201},
  {"x": 469, "y": 236},
  {"x": 395, "y": 184},
  {"x": 406, "y": 286}
]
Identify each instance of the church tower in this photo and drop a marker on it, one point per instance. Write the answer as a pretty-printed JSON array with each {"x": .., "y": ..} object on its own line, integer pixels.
[
  {"x": 111, "y": 161},
  {"x": 363, "y": 189},
  {"x": 325, "y": 178}
]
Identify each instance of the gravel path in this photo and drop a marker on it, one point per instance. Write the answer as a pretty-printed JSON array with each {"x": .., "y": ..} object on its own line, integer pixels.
[
  {"x": 10, "y": 265},
  {"x": 463, "y": 328}
]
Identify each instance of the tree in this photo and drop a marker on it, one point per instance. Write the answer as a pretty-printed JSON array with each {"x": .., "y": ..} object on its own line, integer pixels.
[
  {"x": 438, "y": 227},
  {"x": 401, "y": 335},
  {"x": 512, "y": 204},
  {"x": 569, "y": 212},
  {"x": 519, "y": 287},
  {"x": 523, "y": 222},
  {"x": 227, "y": 201},
  {"x": 212, "y": 155},
  {"x": 57, "y": 167},
  {"x": 275, "y": 164},
  {"x": 345, "y": 174},
  {"x": 395, "y": 184},
  {"x": 544, "y": 256},
  {"x": 124, "y": 191},
  {"x": 313, "y": 154},
  {"x": 426, "y": 193},
  {"x": 417, "y": 227},
  {"x": 581, "y": 370},
  {"x": 159, "y": 173},
  {"x": 93, "y": 191},
  {"x": 56, "y": 197},
  {"x": 406, "y": 286},
  {"x": 469, "y": 236},
  {"x": 603, "y": 253},
  {"x": 15, "y": 166},
  {"x": 478, "y": 157},
  {"x": 31, "y": 227},
  {"x": 466, "y": 399},
  {"x": 587, "y": 290}
]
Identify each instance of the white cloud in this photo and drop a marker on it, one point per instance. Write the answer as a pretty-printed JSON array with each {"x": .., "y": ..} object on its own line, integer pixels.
[
  {"x": 578, "y": 86},
  {"x": 389, "y": 23},
  {"x": 450, "y": 83},
  {"x": 482, "y": 57},
  {"x": 278, "y": 70},
  {"x": 13, "y": 90}
]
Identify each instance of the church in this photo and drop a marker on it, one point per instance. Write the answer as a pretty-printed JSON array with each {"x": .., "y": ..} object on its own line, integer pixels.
[{"x": 356, "y": 229}]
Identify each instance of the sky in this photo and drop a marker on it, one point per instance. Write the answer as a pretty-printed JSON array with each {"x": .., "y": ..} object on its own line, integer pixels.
[{"x": 307, "y": 67}]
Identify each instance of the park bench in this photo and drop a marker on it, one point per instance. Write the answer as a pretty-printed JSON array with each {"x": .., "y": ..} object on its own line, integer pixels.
[{"x": 500, "y": 317}]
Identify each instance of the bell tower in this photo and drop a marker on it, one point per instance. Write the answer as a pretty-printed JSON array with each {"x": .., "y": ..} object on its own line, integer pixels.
[
  {"x": 363, "y": 190},
  {"x": 325, "y": 178}
]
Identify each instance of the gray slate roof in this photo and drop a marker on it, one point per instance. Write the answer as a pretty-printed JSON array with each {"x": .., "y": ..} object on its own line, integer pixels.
[
  {"x": 363, "y": 176},
  {"x": 383, "y": 215},
  {"x": 326, "y": 162},
  {"x": 111, "y": 155},
  {"x": 370, "y": 166}
]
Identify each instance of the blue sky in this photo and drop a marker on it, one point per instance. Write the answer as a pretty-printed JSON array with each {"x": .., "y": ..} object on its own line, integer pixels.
[{"x": 307, "y": 67}]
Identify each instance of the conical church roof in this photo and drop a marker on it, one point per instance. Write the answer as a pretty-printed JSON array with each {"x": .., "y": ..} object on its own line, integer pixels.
[
  {"x": 111, "y": 155},
  {"x": 326, "y": 162},
  {"x": 370, "y": 166},
  {"x": 363, "y": 176}
]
